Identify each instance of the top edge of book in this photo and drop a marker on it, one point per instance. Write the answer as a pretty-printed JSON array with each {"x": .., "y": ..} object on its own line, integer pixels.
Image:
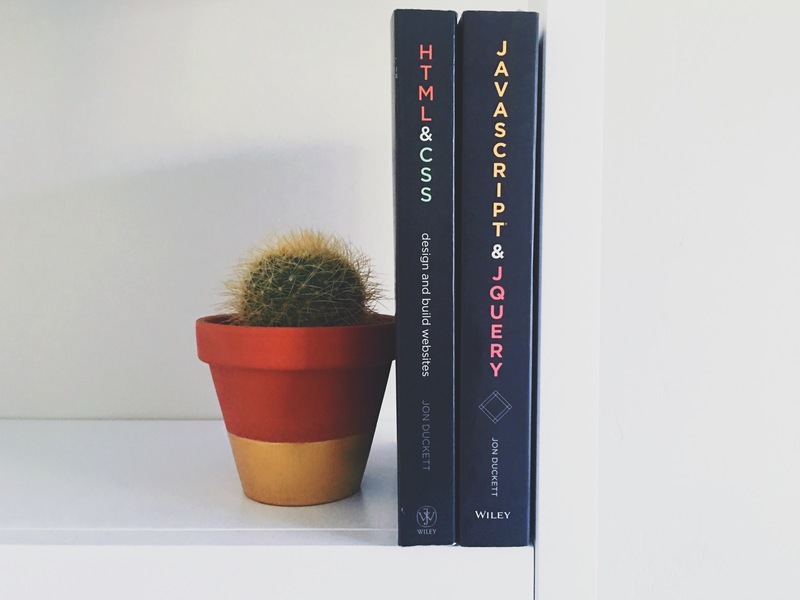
[
  {"x": 423, "y": 11},
  {"x": 500, "y": 13}
]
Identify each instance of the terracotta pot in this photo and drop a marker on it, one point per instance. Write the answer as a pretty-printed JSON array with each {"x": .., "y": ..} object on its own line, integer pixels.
[{"x": 300, "y": 403}]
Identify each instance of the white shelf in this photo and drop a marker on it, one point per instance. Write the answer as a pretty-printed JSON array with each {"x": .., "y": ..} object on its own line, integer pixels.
[
  {"x": 122, "y": 498},
  {"x": 167, "y": 482}
]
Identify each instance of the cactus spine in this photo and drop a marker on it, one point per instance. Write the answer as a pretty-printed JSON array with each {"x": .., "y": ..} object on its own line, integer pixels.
[{"x": 304, "y": 279}]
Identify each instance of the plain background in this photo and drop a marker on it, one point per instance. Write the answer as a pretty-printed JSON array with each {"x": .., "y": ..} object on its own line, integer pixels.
[
  {"x": 144, "y": 146},
  {"x": 700, "y": 345}
]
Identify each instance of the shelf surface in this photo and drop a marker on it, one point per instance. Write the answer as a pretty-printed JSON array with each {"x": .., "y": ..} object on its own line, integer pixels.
[
  {"x": 101, "y": 502},
  {"x": 167, "y": 482}
]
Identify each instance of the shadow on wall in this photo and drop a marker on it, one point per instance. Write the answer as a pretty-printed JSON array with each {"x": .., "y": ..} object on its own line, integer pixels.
[{"x": 105, "y": 278}]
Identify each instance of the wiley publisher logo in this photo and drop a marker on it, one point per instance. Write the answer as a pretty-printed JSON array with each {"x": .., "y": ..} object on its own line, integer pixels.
[{"x": 426, "y": 518}]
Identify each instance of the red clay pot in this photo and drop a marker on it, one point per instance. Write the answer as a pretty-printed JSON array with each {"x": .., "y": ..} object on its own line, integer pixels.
[{"x": 300, "y": 403}]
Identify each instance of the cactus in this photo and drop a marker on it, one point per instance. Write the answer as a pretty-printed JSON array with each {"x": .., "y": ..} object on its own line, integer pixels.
[{"x": 304, "y": 279}]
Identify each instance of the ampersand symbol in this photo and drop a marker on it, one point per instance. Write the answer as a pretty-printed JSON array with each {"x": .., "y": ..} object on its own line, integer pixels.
[
  {"x": 497, "y": 251},
  {"x": 426, "y": 135}
]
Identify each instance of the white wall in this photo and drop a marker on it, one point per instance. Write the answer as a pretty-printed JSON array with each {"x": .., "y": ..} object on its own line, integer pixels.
[
  {"x": 144, "y": 146},
  {"x": 699, "y": 444},
  {"x": 567, "y": 469}
]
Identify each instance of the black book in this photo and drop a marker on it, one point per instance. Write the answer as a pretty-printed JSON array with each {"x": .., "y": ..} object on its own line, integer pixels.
[
  {"x": 424, "y": 173},
  {"x": 497, "y": 163},
  {"x": 537, "y": 275}
]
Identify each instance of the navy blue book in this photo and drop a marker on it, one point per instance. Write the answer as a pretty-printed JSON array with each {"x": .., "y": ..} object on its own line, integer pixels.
[
  {"x": 537, "y": 277},
  {"x": 424, "y": 181},
  {"x": 497, "y": 157}
]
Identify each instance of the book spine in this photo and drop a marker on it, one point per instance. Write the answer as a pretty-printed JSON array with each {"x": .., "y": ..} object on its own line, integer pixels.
[
  {"x": 537, "y": 275},
  {"x": 424, "y": 179},
  {"x": 497, "y": 110}
]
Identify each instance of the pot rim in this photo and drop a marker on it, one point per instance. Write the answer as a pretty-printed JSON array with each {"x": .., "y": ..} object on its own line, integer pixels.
[
  {"x": 226, "y": 320},
  {"x": 220, "y": 342}
]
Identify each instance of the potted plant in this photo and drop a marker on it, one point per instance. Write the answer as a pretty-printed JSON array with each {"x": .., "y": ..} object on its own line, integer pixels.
[{"x": 300, "y": 363}]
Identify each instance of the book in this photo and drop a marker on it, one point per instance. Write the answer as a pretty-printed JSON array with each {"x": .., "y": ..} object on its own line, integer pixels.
[
  {"x": 424, "y": 185},
  {"x": 497, "y": 108},
  {"x": 537, "y": 275}
]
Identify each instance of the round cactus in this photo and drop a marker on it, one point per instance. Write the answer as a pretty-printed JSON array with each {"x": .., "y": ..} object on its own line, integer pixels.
[{"x": 304, "y": 279}]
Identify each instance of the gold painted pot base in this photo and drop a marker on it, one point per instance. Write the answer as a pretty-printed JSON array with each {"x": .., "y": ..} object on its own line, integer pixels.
[{"x": 301, "y": 473}]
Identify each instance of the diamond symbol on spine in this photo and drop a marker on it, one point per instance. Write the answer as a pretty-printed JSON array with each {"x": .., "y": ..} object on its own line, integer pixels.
[{"x": 495, "y": 406}]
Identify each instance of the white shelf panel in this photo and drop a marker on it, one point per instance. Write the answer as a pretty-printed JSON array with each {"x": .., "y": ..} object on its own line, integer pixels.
[
  {"x": 167, "y": 482},
  {"x": 101, "y": 502}
]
